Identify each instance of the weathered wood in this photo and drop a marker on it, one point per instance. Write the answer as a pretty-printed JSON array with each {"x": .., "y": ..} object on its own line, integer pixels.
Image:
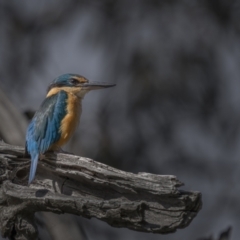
[{"x": 67, "y": 183}]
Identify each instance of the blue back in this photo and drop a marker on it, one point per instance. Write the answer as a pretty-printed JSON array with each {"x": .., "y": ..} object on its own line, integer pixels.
[{"x": 44, "y": 129}]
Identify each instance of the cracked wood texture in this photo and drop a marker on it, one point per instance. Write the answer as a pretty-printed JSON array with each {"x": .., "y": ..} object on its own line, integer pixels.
[{"x": 67, "y": 183}]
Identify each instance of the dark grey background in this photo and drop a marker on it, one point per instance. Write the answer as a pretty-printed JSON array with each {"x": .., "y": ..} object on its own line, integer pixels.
[{"x": 175, "y": 109}]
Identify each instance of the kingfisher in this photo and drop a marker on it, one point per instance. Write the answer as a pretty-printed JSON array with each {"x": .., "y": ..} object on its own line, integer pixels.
[{"x": 58, "y": 116}]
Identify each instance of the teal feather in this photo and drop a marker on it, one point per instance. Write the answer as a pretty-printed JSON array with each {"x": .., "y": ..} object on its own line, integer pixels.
[{"x": 44, "y": 129}]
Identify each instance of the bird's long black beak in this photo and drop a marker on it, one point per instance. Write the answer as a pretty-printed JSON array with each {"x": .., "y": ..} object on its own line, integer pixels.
[{"x": 96, "y": 85}]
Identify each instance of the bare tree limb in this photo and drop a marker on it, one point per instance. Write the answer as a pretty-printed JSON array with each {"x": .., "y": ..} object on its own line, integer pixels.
[
  {"x": 70, "y": 184},
  {"x": 224, "y": 235}
]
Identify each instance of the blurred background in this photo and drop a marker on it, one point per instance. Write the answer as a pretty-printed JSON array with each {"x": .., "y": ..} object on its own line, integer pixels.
[{"x": 175, "y": 109}]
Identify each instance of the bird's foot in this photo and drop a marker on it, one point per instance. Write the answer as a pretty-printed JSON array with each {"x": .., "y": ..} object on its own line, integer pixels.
[{"x": 41, "y": 157}]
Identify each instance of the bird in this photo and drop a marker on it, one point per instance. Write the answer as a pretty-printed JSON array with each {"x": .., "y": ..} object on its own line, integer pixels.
[{"x": 58, "y": 116}]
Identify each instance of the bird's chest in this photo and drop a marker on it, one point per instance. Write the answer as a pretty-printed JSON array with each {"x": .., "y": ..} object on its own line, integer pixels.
[{"x": 71, "y": 120}]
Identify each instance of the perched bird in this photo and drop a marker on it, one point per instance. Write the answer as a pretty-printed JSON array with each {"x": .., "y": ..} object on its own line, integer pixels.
[{"x": 54, "y": 123}]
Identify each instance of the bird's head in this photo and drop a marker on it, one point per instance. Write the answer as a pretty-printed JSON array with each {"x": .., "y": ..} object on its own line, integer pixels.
[{"x": 75, "y": 84}]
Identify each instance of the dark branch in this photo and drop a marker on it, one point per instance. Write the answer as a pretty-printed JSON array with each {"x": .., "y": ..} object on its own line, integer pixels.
[
  {"x": 70, "y": 184},
  {"x": 224, "y": 235}
]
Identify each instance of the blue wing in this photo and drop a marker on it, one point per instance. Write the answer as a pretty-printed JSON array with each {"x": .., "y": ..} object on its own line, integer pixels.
[{"x": 44, "y": 129}]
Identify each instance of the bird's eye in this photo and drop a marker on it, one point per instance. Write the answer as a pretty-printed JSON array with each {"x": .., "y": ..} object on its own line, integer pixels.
[{"x": 74, "y": 81}]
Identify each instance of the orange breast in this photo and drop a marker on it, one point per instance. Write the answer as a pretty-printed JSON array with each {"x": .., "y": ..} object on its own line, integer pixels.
[{"x": 71, "y": 120}]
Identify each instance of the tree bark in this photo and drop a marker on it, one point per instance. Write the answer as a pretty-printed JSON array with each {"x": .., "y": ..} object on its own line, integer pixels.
[{"x": 67, "y": 183}]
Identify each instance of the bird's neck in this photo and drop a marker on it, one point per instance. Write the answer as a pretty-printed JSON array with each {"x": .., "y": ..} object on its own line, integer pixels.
[{"x": 74, "y": 92}]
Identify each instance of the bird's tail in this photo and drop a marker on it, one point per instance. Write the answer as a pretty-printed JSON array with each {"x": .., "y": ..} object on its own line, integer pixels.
[{"x": 33, "y": 168}]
